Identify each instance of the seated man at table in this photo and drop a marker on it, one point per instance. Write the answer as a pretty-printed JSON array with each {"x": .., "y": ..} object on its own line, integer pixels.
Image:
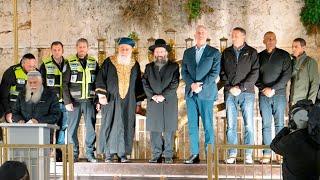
[{"x": 36, "y": 104}]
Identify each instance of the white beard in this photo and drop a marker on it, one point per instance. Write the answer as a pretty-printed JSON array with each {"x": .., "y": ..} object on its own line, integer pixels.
[
  {"x": 36, "y": 96},
  {"x": 124, "y": 60}
]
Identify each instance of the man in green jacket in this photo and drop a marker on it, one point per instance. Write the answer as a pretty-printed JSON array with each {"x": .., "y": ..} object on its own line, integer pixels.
[{"x": 305, "y": 77}]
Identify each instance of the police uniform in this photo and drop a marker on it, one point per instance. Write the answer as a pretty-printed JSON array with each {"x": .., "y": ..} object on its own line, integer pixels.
[
  {"x": 79, "y": 89},
  {"x": 52, "y": 79}
]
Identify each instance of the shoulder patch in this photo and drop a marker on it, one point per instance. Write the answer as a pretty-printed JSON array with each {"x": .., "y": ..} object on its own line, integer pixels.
[
  {"x": 73, "y": 66},
  {"x": 91, "y": 65}
]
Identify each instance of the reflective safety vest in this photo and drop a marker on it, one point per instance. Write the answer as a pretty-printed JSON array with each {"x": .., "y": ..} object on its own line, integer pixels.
[
  {"x": 21, "y": 79},
  {"x": 53, "y": 76},
  {"x": 82, "y": 80}
]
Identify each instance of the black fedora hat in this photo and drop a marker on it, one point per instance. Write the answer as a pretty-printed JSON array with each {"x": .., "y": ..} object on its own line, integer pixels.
[{"x": 160, "y": 43}]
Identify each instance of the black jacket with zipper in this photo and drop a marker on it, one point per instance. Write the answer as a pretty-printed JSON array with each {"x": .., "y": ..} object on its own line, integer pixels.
[{"x": 242, "y": 72}]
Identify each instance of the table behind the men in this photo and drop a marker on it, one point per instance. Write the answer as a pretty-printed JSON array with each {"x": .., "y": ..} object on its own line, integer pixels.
[{"x": 37, "y": 160}]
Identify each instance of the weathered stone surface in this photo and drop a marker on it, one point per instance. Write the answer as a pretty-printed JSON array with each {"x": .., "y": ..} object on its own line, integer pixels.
[{"x": 43, "y": 21}]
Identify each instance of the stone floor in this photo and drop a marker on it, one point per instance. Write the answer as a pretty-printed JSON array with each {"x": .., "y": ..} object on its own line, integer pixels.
[{"x": 139, "y": 169}]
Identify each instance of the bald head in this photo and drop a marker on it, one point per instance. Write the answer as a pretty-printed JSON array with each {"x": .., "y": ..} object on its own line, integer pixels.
[{"x": 270, "y": 40}]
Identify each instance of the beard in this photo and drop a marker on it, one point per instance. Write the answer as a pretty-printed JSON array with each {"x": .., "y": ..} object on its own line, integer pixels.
[
  {"x": 33, "y": 95},
  {"x": 124, "y": 60},
  {"x": 161, "y": 59}
]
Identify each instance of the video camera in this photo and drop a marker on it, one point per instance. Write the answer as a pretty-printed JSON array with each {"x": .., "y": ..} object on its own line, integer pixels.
[{"x": 298, "y": 114}]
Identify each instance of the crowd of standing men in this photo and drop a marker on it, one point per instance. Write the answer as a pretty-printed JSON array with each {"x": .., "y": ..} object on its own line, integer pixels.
[{"x": 81, "y": 87}]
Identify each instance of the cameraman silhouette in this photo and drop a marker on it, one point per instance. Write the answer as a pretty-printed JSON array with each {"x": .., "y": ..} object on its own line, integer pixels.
[{"x": 299, "y": 143}]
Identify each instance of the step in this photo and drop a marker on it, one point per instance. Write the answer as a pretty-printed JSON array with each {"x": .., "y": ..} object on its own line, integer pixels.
[{"x": 139, "y": 169}]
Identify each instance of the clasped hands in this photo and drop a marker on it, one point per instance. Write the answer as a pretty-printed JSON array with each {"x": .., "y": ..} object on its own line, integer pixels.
[
  {"x": 103, "y": 99},
  {"x": 31, "y": 121},
  {"x": 196, "y": 87},
  {"x": 268, "y": 92},
  {"x": 235, "y": 90},
  {"x": 158, "y": 98}
]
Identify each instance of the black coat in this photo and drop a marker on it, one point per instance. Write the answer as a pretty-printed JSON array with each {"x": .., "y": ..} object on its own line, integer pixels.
[
  {"x": 243, "y": 72},
  {"x": 162, "y": 117},
  {"x": 2, "y": 110},
  {"x": 300, "y": 153},
  {"x": 47, "y": 110}
]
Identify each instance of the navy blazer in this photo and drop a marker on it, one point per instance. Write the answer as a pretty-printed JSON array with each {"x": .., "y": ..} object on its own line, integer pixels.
[{"x": 206, "y": 71}]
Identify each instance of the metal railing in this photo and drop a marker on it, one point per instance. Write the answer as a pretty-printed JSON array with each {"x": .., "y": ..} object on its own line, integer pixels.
[
  {"x": 242, "y": 170},
  {"x": 41, "y": 159}
]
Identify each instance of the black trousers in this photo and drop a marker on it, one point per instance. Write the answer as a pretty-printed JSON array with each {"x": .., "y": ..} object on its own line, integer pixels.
[{"x": 162, "y": 144}]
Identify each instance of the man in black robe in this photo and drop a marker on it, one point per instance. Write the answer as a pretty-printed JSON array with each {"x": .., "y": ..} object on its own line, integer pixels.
[
  {"x": 160, "y": 82},
  {"x": 118, "y": 86}
]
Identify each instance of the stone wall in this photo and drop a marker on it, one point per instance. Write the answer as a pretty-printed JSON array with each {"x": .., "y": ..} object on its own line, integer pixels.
[{"x": 44, "y": 21}]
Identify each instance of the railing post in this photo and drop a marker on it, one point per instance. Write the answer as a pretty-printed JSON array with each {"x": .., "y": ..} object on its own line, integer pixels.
[
  {"x": 15, "y": 31},
  {"x": 64, "y": 161},
  {"x": 5, "y": 142},
  {"x": 71, "y": 162},
  {"x": 209, "y": 161},
  {"x": 216, "y": 162},
  {"x": 1, "y": 147}
]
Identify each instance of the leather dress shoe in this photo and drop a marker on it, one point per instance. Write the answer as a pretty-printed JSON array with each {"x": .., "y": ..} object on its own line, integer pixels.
[
  {"x": 155, "y": 160},
  {"x": 193, "y": 159}
]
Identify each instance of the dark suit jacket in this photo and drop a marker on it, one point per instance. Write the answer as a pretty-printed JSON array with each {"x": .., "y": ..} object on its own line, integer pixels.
[
  {"x": 206, "y": 72},
  {"x": 162, "y": 116}
]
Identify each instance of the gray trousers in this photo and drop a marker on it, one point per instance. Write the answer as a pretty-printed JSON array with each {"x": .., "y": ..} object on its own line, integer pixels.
[
  {"x": 162, "y": 144},
  {"x": 86, "y": 108}
]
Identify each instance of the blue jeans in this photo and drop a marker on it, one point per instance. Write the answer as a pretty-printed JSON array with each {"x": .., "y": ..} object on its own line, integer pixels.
[
  {"x": 274, "y": 106},
  {"x": 246, "y": 103},
  {"x": 63, "y": 124},
  {"x": 197, "y": 107}
]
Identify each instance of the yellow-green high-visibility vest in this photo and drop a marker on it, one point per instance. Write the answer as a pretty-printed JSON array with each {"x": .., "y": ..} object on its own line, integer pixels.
[
  {"x": 53, "y": 77},
  {"x": 82, "y": 80},
  {"x": 21, "y": 79}
]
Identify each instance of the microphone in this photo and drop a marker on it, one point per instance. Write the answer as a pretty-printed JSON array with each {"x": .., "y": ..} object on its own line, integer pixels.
[{"x": 33, "y": 107}]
